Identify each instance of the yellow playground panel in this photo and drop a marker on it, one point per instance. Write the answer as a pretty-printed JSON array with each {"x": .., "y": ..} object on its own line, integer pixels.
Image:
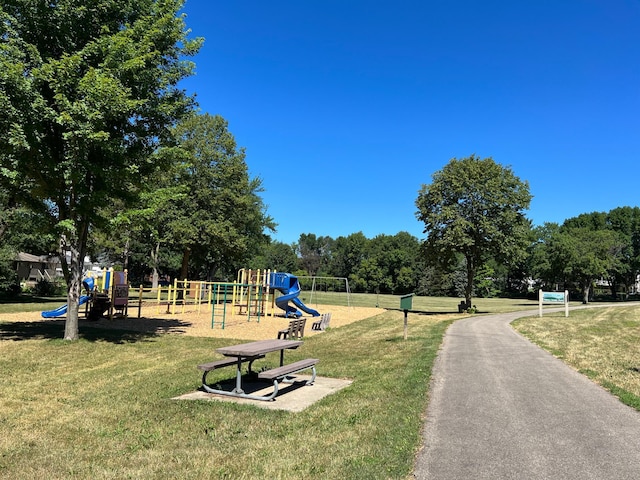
[{"x": 250, "y": 295}]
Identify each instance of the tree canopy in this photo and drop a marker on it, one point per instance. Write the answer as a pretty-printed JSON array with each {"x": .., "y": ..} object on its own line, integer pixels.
[
  {"x": 475, "y": 208},
  {"x": 90, "y": 91},
  {"x": 220, "y": 218}
]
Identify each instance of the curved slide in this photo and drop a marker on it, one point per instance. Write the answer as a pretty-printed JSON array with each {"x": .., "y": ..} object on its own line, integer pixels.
[
  {"x": 290, "y": 291},
  {"x": 58, "y": 312}
]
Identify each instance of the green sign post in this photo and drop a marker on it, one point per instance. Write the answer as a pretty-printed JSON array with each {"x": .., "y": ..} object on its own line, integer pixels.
[{"x": 406, "y": 304}]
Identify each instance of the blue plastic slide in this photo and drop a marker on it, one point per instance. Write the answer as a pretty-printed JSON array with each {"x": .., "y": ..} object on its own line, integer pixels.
[
  {"x": 59, "y": 312},
  {"x": 289, "y": 286}
]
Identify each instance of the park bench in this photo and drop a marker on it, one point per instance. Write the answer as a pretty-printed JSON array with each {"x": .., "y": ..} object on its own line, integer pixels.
[
  {"x": 323, "y": 323},
  {"x": 295, "y": 329},
  {"x": 281, "y": 374},
  {"x": 225, "y": 362}
]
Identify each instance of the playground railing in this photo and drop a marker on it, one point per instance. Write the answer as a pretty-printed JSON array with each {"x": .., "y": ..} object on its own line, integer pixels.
[{"x": 220, "y": 299}]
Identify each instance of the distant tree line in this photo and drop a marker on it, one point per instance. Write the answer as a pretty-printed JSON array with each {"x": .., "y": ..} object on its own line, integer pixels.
[
  {"x": 383, "y": 264},
  {"x": 584, "y": 250}
]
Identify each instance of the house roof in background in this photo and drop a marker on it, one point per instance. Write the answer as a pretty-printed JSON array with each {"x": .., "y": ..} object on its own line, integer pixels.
[{"x": 27, "y": 257}]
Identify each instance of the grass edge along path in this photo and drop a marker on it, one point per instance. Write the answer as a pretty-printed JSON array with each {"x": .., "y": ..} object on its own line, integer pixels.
[
  {"x": 601, "y": 343},
  {"x": 100, "y": 407}
]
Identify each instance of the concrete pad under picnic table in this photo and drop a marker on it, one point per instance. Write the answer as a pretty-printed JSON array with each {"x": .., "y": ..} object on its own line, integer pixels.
[{"x": 293, "y": 397}]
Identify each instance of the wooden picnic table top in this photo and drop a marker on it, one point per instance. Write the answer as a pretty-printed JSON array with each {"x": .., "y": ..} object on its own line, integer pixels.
[{"x": 260, "y": 347}]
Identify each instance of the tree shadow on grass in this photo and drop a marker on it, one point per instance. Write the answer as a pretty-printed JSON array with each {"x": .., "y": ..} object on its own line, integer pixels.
[
  {"x": 54, "y": 330},
  {"x": 424, "y": 312}
]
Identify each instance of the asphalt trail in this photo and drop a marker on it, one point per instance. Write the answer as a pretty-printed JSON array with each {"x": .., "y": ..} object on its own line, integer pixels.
[{"x": 502, "y": 408}]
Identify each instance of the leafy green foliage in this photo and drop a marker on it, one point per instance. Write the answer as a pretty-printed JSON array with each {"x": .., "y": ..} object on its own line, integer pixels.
[
  {"x": 625, "y": 221},
  {"x": 314, "y": 252},
  {"x": 46, "y": 288},
  {"x": 91, "y": 92},
  {"x": 474, "y": 207},
  {"x": 586, "y": 255},
  {"x": 220, "y": 218},
  {"x": 390, "y": 264},
  {"x": 8, "y": 278},
  {"x": 276, "y": 256},
  {"x": 347, "y": 254}
]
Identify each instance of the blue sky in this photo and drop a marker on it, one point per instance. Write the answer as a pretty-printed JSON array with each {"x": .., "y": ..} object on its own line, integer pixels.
[{"x": 346, "y": 108}]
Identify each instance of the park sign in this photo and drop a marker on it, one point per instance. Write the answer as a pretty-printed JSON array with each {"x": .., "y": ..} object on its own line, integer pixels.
[
  {"x": 406, "y": 304},
  {"x": 553, "y": 298}
]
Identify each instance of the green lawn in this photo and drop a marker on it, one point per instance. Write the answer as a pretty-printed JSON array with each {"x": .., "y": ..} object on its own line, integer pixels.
[
  {"x": 101, "y": 407},
  {"x": 420, "y": 304}
]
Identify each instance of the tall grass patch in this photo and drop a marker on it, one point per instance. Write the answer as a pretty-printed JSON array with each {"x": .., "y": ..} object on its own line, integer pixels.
[
  {"x": 101, "y": 407},
  {"x": 601, "y": 343}
]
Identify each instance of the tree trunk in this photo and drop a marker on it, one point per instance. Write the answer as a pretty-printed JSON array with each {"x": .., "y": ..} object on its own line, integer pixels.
[
  {"x": 154, "y": 277},
  {"x": 73, "y": 273},
  {"x": 468, "y": 289},
  {"x": 155, "y": 255},
  {"x": 586, "y": 287},
  {"x": 184, "y": 271},
  {"x": 212, "y": 273},
  {"x": 125, "y": 254},
  {"x": 71, "y": 329},
  {"x": 613, "y": 285}
]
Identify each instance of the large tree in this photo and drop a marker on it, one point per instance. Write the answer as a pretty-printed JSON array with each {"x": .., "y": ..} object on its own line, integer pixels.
[
  {"x": 474, "y": 207},
  {"x": 625, "y": 221},
  {"x": 276, "y": 256},
  {"x": 221, "y": 220},
  {"x": 539, "y": 264},
  {"x": 394, "y": 258},
  {"x": 314, "y": 252},
  {"x": 347, "y": 255},
  {"x": 89, "y": 90},
  {"x": 584, "y": 255}
]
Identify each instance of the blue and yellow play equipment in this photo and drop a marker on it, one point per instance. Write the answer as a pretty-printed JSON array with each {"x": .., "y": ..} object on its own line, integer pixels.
[
  {"x": 255, "y": 294},
  {"x": 289, "y": 287},
  {"x": 106, "y": 292}
]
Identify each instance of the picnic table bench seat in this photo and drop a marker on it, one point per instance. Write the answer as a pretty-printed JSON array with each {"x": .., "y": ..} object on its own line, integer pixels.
[
  {"x": 248, "y": 352},
  {"x": 282, "y": 373},
  {"x": 290, "y": 368},
  {"x": 225, "y": 362}
]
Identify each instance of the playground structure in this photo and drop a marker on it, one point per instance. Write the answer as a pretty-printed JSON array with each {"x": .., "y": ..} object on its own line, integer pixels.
[
  {"x": 289, "y": 287},
  {"x": 248, "y": 295},
  {"x": 255, "y": 294},
  {"x": 106, "y": 292}
]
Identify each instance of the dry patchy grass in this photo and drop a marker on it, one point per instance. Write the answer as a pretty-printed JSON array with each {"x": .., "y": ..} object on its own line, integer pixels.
[{"x": 599, "y": 342}]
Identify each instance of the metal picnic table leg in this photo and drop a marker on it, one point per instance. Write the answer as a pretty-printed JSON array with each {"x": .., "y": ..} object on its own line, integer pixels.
[{"x": 238, "y": 388}]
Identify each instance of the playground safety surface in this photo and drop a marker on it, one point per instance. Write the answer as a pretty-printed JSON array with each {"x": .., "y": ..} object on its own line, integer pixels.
[{"x": 191, "y": 322}]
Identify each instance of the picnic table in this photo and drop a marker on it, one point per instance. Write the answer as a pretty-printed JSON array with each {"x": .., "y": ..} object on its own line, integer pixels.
[{"x": 249, "y": 352}]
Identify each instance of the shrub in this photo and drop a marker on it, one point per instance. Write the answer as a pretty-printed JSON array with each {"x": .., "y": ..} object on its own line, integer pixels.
[{"x": 45, "y": 288}]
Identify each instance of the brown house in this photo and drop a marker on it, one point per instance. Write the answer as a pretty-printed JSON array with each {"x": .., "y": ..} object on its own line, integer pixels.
[{"x": 31, "y": 268}]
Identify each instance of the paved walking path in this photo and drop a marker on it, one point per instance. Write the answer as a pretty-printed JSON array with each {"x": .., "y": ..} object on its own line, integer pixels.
[{"x": 502, "y": 408}]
